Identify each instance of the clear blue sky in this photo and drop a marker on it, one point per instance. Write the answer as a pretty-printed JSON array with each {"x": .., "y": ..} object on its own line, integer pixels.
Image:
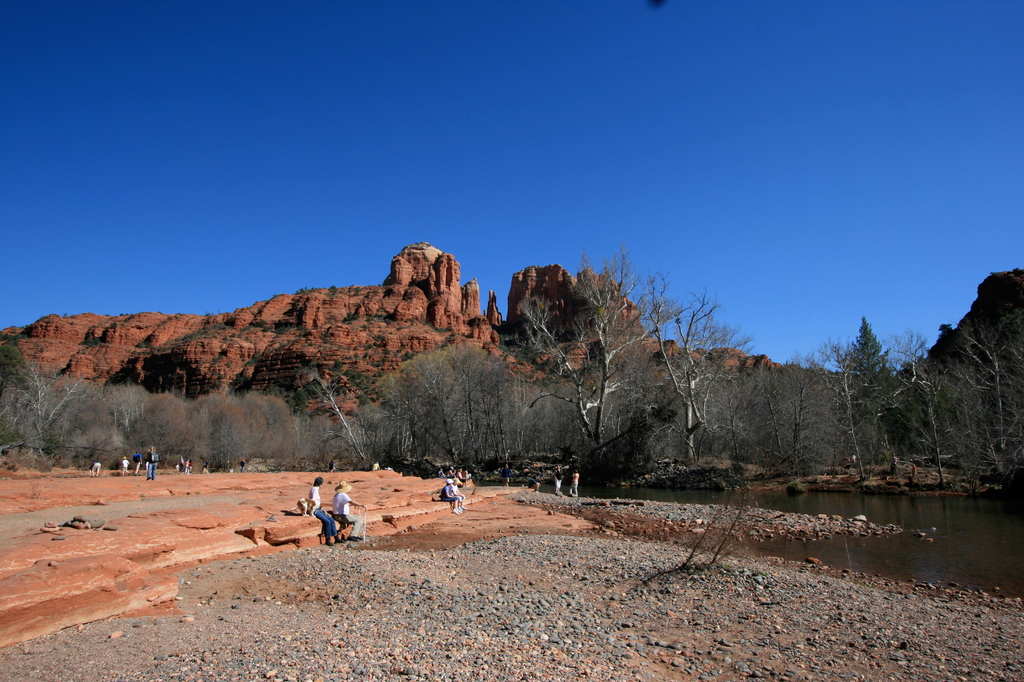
[{"x": 807, "y": 162}]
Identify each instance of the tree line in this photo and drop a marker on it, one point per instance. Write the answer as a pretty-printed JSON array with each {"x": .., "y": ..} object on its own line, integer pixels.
[{"x": 615, "y": 382}]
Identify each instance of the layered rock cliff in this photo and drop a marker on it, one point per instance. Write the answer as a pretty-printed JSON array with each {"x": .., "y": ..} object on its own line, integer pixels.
[
  {"x": 359, "y": 332},
  {"x": 356, "y": 333}
]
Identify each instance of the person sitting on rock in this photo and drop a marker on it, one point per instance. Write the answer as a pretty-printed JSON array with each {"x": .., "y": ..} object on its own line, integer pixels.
[
  {"x": 342, "y": 504},
  {"x": 330, "y": 529},
  {"x": 450, "y": 494},
  {"x": 533, "y": 484}
]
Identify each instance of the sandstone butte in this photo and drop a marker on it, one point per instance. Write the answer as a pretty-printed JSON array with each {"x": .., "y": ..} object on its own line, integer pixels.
[
  {"x": 52, "y": 578},
  {"x": 351, "y": 332}
]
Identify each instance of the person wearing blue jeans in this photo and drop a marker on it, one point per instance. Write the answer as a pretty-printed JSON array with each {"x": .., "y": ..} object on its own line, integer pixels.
[
  {"x": 151, "y": 461},
  {"x": 330, "y": 528}
]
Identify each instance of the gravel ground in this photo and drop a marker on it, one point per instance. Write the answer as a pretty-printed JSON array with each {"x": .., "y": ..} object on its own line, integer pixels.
[
  {"x": 535, "y": 607},
  {"x": 677, "y": 518}
]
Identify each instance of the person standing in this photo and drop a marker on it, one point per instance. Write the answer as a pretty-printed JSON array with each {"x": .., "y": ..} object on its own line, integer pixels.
[
  {"x": 124, "y": 466},
  {"x": 558, "y": 481},
  {"x": 341, "y": 505},
  {"x": 506, "y": 475},
  {"x": 152, "y": 459},
  {"x": 241, "y": 467},
  {"x": 575, "y": 484},
  {"x": 137, "y": 458}
]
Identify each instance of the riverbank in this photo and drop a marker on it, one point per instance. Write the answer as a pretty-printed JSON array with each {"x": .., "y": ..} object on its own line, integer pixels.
[{"x": 510, "y": 591}]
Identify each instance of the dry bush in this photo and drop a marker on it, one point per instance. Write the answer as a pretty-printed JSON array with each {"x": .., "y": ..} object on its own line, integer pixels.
[{"x": 724, "y": 533}]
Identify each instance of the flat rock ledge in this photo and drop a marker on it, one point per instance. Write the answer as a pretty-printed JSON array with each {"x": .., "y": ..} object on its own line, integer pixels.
[{"x": 57, "y": 571}]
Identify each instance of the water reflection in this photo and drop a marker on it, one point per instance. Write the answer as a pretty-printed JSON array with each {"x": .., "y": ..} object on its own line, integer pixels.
[{"x": 977, "y": 543}]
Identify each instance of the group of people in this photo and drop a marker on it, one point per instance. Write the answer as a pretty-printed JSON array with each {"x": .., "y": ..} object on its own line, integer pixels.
[
  {"x": 151, "y": 459},
  {"x": 462, "y": 477},
  {"x": 341, "y": 505},
  {"x": 533, "y": 484}
]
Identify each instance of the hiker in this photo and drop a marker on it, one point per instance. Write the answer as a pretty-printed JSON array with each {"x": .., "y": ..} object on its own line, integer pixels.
[
  {"x": 450, "y": 493},
  {"x": 94, "y": 470},
  {"x": 533, "y": 484},
  {"x": 206, "y": 467},
  {"x": 241, "y": 468},
  {"x": 506, "y": 475},
  {"x": 575, "y": 484},
  {"x": 137, "y": 458},
  {"x": 558, "y": 481},
  {"x": 151, "y": 463},
  {"x": 341, "y": 504},
  {"x": 330, "y": 466},
  {"x": 124, "y": 466}
]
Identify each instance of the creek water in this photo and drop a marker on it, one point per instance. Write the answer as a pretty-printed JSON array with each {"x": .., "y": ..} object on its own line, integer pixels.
[{"x": 976, "y": 543}]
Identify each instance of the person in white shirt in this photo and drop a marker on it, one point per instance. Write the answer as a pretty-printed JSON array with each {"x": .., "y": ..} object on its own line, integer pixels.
[
  {"x": 342, "y": 504},
  {"x": 330, "y": 528},
  {"x": 450, "y": 493},
  {"x": 124, "y": 466}
]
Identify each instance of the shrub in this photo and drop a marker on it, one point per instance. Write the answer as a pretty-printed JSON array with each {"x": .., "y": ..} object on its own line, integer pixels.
[{"x": 795, "y": 488}]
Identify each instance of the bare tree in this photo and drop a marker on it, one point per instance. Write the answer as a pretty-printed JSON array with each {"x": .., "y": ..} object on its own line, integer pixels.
[
  {"x": 924, "y": 393},
  {"x": 329, "y": 393},
  {"x": 41, "y": 400},
  {"x": 693, "y": 344},
  {"x": 127, "y": 405},
  {"x": 589, "y": 355}
]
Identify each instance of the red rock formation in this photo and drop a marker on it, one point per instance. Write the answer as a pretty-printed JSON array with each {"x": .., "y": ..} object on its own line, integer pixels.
[
  {"x": 551, "y": 282},
  {"x": 493, "y": 314},
  {"x": 367, "y": 329}
]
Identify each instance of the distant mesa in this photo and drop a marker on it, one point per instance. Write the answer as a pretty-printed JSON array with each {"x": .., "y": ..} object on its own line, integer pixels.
[{"x": 358, "y": 330}]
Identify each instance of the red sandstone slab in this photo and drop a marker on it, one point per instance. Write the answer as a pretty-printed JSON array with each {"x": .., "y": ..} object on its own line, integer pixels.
[{"x": 51, "y": 595}]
